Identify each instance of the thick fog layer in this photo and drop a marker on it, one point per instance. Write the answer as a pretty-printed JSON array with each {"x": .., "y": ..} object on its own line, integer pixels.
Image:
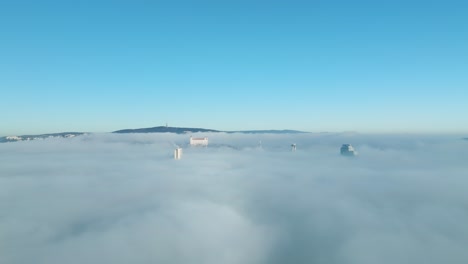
[{"x": 108, "y": 198}]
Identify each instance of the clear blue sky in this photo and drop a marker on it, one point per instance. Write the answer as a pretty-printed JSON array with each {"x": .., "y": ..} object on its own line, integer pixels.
[{"x": 369, "y": 66}]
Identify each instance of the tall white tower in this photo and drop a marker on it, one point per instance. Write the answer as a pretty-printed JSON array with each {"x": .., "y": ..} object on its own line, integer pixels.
[{"x": 178, "y": 153}]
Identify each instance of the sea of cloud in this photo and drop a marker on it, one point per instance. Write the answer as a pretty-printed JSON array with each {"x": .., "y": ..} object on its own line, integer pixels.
[{"x": 122, "y": 198}]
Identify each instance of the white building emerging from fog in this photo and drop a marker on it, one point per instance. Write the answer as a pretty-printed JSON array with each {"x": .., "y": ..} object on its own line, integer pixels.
[
  {"x": 178, "y": 153},
  {"x": 199, "y": 141}
]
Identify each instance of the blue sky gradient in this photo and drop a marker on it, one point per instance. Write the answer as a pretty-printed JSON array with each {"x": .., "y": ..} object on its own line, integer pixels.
[{"x": 368, "y": 66}]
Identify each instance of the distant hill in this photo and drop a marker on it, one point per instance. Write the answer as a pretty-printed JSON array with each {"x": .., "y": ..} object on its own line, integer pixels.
[
  {"x": 165, "y": 129},
  {"x": 284, "y": 131},
  {"x": 184, "y": 130},
  {"x": 465, "y": 138},
  {"x": 42, "y": 136}
]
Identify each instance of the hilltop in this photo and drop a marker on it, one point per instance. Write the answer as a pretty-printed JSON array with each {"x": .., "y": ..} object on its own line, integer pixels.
[{"x": 166, "y": 129}]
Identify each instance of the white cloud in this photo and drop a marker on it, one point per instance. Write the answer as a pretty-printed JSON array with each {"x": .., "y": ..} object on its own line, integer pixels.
[{"x": 113, "y": 198}]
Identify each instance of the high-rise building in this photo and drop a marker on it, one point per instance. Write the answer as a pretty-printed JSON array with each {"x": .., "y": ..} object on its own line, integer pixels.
[{"x": 347, "y": 150}]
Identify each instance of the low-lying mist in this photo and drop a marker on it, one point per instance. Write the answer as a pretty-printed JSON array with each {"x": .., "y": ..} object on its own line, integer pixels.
[{"x": 122, "y": 198}]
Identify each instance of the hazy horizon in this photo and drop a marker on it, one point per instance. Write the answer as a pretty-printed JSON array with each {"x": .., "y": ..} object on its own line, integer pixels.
[{"x": 397, "y": 133}]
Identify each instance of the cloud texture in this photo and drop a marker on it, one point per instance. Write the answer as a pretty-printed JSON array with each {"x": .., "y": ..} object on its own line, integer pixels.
[{"x": 108, "y": 198}]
